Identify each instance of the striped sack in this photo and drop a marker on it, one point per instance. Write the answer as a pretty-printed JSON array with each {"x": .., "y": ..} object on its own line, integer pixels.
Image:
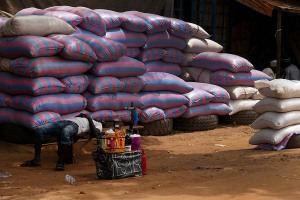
[
  {"x": 110, "y": 18},
  {"x": 207, "y": 109},
  {"x": 27, "y": 11},
  {"x": 128, "y": 38},
  {"x": 222, "y": 61},
  {"x": 173, "y": 56},
  {"x": 151, "y": 114},
  {"x": 175, "y": 112},
  {"x": 48, "y": 66},
  {"x": 132, "y": 52},
  {"x": 164, "y": 40},
  {"x": 4, "y": 99},
  {"x": 227, "y": 78},
  {"x": 91, "y": 20},
  {"x": 75, "y": 84},
  {"x": 156, "y": 81},
  {"x": 123, "y": 67},
  {"x": 162, "y": 99},
  {"x": 104, "y": 115},
  {"x": 74, "y": 49},
  {"x": 17, "y": 85},
  {"x": 59, "y": 103},
  {"x": 198, "y": 97},
  {"x": 133, "y": 23},
  {"x": 3, "y": 20},
  {"x": 160, "y": 66},
  {"x": 29, "y": 120},
  {"x": 29, "y": 46},
  {"x": 124, "y": 115},
  {"x": 220, "y": 94},
  {"x": 152, "y": 54},
  {"x": 74, "y": 114},
  {"x": 105, "y": 84},
  {"x": 115, "y": 101},
  {"x": 180, "y": 28},
  {"x": 155, "y": 23},
  {"x": 132, "y": 84},
  {"x": 105, "y": 49}
]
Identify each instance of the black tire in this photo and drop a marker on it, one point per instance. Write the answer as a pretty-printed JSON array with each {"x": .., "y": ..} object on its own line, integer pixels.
[
  {"x": 15, "y": 133},
  {"x": 245, "y": 117},
  {"x": 199, "y": 123},
  {"x": 294, "y": 142},
  {"x": 157, "y": 128}
]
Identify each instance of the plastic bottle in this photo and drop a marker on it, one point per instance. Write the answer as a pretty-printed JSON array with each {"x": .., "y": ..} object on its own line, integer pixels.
[
  {"x": 144, "y": 163},
  {"x": 70, "y": 179}
]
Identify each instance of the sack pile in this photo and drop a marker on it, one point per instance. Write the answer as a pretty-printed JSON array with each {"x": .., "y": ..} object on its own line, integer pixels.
[{"x": 280, "y": 113}]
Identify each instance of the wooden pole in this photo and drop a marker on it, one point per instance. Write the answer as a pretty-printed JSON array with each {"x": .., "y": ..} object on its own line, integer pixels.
[{"x": 278, "y": 39}]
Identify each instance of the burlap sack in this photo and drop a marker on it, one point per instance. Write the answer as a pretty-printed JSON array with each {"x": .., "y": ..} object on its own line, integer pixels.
[{"x": 35, "y": 25}]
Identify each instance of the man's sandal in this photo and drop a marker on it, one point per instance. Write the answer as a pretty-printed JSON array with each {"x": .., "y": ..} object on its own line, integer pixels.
[{"x": 31, "y": 163}]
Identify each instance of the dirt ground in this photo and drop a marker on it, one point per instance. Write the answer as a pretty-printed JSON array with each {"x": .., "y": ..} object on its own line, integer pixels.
[{"x": 215, "y": 164}]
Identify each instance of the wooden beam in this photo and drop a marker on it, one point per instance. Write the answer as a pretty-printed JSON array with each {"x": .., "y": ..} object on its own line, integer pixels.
[{"x": 278, "y": 39}]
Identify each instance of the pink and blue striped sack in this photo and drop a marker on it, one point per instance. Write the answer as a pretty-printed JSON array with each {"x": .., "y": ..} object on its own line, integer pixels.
[
  {"x": 3, "y": 20},
  {"x": 29, "y": 46},
  {"x": 155, "y": 23},
  {"x": 4, "y": 99},
  {"x": 207, "y": 109},
  {"x": 104, "y": 115},
  {"x": 198, "y": 97},
  {"x": 123, "y": 67},
  {"x": 132, "y": 84},
  {"x": 74, "y": 49},
  {"x": 110, "y": 18},
  {"x": 164, "y": 40},
  {"x": 220, "y": 94},
  {"x": 151, "y": 114},
  {"x": 221, "y": 61},
  {"x": 132, "y": 52},
  {"x": 116, "y": 101},
  {"x": 91, "y": 21},
  {"x": 68, "y": 17},
  {"x": 160, "y": 81},
  {"x": 162, "y": 99},
  {"x": 180, "y": 28},
  {"x": 17, "y": 85},
  {"x": 173, "y": 56},
  {"x": 29, "y": 120},
  {"x": 160, "y": 66},
  {"x": 128, "y": 38},
  {"x": 175, "y": 112},
  {"x": 124, "y": 115},
  {"x": 133, "y": 23},
  {"x": 104, "y": 84},
  {"x": 105, "y": 49},
  {"x": 59, "y": 103},
  {"x": 152, "y": 54},
  {"x": 75, "y": 84},
  {"x": 54, "y": 66},
  {"x": 74, "y": 114},
  {"x": 227, "y": 78}
]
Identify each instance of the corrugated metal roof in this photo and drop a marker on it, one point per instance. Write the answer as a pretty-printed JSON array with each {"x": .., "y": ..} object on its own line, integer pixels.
[{"x": 266, "y": 7}]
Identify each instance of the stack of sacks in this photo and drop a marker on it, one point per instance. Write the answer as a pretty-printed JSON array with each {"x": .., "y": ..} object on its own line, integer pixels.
[
  {"x": 235, "y": 74},
  {"x": 165, "y": 42},
  {"x": 199, "y": 42},
  {"x": 41, "y": 75},
  {"x": 280, "y": 113},
  {"x": 206, "y": 99},
  {"x": 162, "y": 96}
]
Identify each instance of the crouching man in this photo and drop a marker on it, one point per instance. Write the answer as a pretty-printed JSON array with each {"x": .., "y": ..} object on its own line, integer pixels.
[{"x": 64, "y": 130}]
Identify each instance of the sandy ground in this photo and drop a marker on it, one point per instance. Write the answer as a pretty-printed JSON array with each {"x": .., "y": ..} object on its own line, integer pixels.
[{"x": 216, "y": 164}]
